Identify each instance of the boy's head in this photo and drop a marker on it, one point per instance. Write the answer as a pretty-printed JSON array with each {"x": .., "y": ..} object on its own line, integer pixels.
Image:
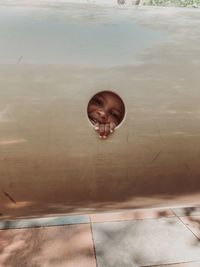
[{"x": 106, "y": 108}]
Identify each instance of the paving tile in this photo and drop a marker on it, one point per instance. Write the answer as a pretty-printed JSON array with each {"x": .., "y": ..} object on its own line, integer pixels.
[
  {"x": 144, "y": 242},
  {"x": 43, "y": 222},
  {"x": 193, "y": 223},
  {"x": 189, "y": 211},
  {"x": 130, "y": 215},
  {"x": 188, "y": 264},
  {"x": 63, "y": 246}
]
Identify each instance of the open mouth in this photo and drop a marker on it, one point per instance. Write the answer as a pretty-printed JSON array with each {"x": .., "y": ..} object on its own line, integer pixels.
[{"x": 93, "y": 120}]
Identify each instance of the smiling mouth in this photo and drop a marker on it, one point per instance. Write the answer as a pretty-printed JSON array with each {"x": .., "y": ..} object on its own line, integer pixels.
[{"x": 93, "y": 120}]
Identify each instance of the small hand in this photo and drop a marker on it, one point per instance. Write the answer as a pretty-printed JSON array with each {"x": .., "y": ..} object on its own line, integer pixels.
[{"x": 105, "y": 129}]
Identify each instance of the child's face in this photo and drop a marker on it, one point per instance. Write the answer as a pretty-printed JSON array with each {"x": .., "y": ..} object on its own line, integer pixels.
[{"x": 105, "y": 111}]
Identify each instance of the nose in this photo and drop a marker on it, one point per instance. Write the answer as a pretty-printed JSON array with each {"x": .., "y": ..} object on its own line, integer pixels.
[{"x": 103, "y": 115}]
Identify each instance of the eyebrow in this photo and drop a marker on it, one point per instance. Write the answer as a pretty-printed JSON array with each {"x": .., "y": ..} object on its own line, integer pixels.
[
  {"x": 101, "y": 97},
  {"x": 115, "y": 109}
]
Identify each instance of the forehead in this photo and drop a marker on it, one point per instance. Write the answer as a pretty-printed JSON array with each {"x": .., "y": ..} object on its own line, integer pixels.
[{"x": 111, "y": 99}]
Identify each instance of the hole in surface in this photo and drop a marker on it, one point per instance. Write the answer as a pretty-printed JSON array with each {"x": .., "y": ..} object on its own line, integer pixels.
[{"x": 106, "y": 107}]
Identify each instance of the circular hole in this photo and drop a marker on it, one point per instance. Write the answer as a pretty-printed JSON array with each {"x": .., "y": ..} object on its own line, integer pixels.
[{"x": 106, "y": 107}]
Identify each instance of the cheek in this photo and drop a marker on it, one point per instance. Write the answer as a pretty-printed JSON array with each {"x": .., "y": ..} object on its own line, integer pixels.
[
  {"x": 113, "y": 119},
  {"x": 92, "y": 108}
]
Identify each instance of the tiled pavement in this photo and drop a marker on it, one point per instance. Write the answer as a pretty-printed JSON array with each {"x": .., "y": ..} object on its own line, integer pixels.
[{"x": 153, "y": 237}]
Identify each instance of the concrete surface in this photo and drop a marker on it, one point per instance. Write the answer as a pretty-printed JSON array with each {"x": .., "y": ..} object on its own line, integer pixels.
[
  {"x": 64, "y": 246},
  {"x": 144, "y": 243},
  {"x": 190, "y": 264},
  {"x": 53, "y": 59},
  {"x": 192, "y": 222},
  {"x": 187, "y": 211},
  {"x": 139, "y": 238},
  {"x": 44, "y": 222}
]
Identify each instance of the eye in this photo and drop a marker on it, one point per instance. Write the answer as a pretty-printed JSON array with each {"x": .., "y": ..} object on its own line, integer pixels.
[
  {"x": 115, "y": 115},
  {"x": 98, "y": 101}
]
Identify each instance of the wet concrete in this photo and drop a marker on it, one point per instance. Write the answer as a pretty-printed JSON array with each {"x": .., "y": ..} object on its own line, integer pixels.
[{"x": 51, "y": 160}]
